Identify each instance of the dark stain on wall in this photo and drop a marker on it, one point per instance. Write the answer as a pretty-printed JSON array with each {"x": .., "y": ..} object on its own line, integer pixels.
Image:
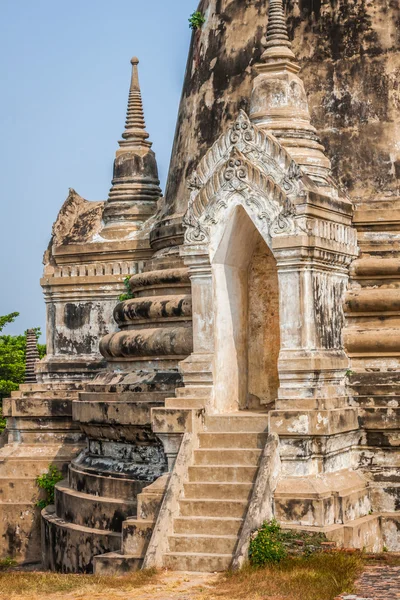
[{"x": 77, "y": 315}]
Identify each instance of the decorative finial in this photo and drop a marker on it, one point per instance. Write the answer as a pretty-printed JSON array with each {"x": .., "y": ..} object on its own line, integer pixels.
[
  {"x": 279, "y": 101},
  {"x": 135, "y": 127},
  {"x": 31, "y": 356},
  {"x": 278, "y": 44},
  {"x": 135, "y": 187}
]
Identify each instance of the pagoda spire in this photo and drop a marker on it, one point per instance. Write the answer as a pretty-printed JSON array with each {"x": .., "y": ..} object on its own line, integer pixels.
[
  {"x": 278, "y": 44},
  {"x": 279, "y": 101},
  {"x": 135, "y": 187},
  {"x": 135, "y": 126},
  {"x": 31, "y": 356}
]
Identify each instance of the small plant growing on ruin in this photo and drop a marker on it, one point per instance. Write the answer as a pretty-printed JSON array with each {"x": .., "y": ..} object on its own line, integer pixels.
[
  {"x": 7, "y": 563},
  {"x": 266, "y": 546},
  {"x": 47, "y": 482},
  {"x": 196, "y": 20},
  {"x": 3, "y": 421},
  {"x": 128, "y": 294}
]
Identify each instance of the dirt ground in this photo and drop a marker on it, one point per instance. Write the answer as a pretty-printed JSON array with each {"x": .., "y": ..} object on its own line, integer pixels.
[{"x": 166, "y": 586}]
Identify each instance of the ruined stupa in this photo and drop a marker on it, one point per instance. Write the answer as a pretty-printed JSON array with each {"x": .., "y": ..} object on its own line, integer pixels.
[{"x": 254, "y": 371}]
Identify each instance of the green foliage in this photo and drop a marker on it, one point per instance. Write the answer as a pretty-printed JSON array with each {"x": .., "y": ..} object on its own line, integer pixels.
[
  {"x": 12, "y": 357},
  {"x": 6, "y": 319},
  {"x": 3, "y": 421},
  {"x": 266, "y": 546},
  {"x": 270, "y": 544},
  {"x": 7, "y": 563},
  {"x": 47, "y": 482},
  {"x": 128, "y": 294},
  {"x": 196, "y": 20}
]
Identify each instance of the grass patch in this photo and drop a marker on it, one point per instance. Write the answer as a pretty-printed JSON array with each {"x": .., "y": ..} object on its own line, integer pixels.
[
  {"x": 7, "y": 563},
  {"x": 33, "y": 585},
  {"x": 318, "y": 577}
]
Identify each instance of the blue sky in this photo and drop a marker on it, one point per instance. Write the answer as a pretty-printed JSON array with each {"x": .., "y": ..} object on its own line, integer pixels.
[{"x": 64, "y": 72}]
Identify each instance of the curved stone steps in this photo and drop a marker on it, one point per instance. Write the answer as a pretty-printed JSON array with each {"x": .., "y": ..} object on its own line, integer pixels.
[
  {"x": 92, "y": 511},
  {"x": 87, "y": 482},
  {"x": 73, "y": 546}
]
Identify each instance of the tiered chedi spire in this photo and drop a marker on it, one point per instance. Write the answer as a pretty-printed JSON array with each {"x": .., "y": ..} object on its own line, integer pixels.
[
  {"x": 135, "y": 185},
  {"x": 31, "y": 357},
  {"x": 279, "y": 101}
]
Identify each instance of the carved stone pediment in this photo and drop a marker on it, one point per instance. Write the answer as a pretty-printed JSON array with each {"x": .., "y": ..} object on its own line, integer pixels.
[{"x": 245, "y": 162}]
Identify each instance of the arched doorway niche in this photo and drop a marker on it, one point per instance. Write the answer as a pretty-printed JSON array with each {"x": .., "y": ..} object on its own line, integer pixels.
[{"x": 247, "y": 328}]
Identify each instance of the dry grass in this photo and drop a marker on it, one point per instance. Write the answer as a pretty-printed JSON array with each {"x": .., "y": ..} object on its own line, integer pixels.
[
  {"x": 320, "y": 577},
  {"x": 35, "y": 585}
]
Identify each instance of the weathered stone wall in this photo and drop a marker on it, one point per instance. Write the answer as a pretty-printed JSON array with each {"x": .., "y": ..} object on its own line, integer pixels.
[
  {"x": 350, "y": 56},
  {"x": 263, "y": 326}
]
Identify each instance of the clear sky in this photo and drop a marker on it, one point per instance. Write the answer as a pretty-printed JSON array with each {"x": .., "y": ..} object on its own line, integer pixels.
[{"x": 65, "y": 72}]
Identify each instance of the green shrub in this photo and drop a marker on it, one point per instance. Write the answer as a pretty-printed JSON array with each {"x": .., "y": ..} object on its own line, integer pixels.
[
  {"x": 7, "y": 563},
  {"x": 3, "y": 421},
  {"x": 196, "y": 20},
  {"x": 48, "y": 482},
  {"x": 267, "y": 546},
  {"x": 128, "y": 294}
]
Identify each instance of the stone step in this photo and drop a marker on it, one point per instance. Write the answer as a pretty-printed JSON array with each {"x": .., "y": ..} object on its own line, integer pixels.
[
  {"x": 117, "y": 412},
  {"x": 71, "y": 547},
  {"x": 54, "y": 386},
  {"x": 380, "y": 418},
  {"x": 213, "y": 508},
  {"x": 227, "y": 473},
  {"x": 227, "y": 456},
  {"x": 136, "y": 535},
  {"x": 185, "y": 402},
  {"x": 375, "y": 379},
  {"x": 20, "y": 467},
  {"x": 206, "y": 563},
  {"x": 109, "y": 486},
  {"x": 328, "y": 499},
  {"x": 72, "y": 435},
  {"x": 200, "y": 391},
  {"x": 237, "y": 422},
  {"x": 116, "y": 564},
  {"x": 218, "y": 491},
  {"x": 39, "y": 407},
  {"x": 376, "y": 401},
  {"x": 210, "y": 544},
  {"x": 233, "y": 440},
  {"x": 208, "y": 525},
  {"x": 96, "y": 512},
  {"x": 40, "y": 395},
  {"x": 375, "y": 390},
  {"x": 363, "y": 533},
  {"x": 122, "y": 397}
]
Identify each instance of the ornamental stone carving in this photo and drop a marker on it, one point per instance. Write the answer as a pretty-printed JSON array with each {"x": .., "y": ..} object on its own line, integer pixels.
[{"x": 245, "y": 161}]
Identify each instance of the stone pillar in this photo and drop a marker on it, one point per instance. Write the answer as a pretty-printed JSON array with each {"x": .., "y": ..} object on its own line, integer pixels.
[
  {"x": 197, "y": 368},
  {"x": 312, "y": 362}
]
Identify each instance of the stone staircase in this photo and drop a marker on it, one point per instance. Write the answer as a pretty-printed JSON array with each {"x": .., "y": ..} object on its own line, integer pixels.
[
  {"x": 377, "y": 396},
  {"x": 121, "y": 458},
  {"x": 39, "y": 432},
  {"x": 216, "y": 496}
]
